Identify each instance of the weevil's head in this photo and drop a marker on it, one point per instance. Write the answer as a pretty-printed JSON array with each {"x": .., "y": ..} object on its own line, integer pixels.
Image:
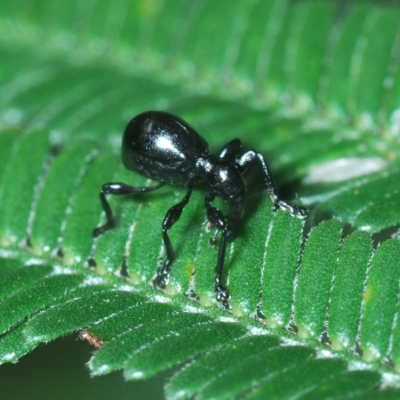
[{"x": 222, "y": 179}]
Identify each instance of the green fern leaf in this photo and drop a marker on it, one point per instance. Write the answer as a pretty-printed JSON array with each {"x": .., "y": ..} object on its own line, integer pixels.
[{"x": 312, "y": 85}]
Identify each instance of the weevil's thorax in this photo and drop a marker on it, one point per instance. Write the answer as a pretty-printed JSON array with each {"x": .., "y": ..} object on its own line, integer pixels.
[{"x": 162, "y": 148}]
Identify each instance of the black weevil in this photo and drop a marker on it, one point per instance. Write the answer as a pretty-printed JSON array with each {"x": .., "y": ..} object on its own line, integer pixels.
[{"x": 163, "y": 147}]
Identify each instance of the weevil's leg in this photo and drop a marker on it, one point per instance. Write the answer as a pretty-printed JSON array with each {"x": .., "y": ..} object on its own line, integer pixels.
[
  {"x": 245, "y": 159},
  {"x": 231, "y": 150},
  {"x": 117, "y": 188},
  {"x": 217, "y": 218},
  {"x": 171, "y": 217}
]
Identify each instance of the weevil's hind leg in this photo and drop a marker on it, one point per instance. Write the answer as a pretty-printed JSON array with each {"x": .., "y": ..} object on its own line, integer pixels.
[
  {"x": 217, "y": 218},
  {"x": 172, "y": 216},
  {"x": 245, "y": 159},
  {"x": 117, "y": 188}
]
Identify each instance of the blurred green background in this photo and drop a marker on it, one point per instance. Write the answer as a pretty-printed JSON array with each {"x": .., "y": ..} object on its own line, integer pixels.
[{"x": 57, "y": 371}]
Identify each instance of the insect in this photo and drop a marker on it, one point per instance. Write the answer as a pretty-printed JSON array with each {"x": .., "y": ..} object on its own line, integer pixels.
[{"x": 163, "y": 147}]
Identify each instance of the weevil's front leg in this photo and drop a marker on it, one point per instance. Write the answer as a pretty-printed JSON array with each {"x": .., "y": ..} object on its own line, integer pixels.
[
  {"x": 117, "y": 188},
  {"x": 171, "y": 217},
  {"x": 217, "y": 218},
  {"x": 245, "y": 159}
]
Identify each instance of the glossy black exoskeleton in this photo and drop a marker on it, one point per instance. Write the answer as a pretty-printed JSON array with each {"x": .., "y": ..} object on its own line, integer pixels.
[{"x": 163, "y": 147}]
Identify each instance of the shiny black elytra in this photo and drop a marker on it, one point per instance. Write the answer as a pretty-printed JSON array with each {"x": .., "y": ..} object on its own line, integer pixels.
[{"x": 163, "y": 147}]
